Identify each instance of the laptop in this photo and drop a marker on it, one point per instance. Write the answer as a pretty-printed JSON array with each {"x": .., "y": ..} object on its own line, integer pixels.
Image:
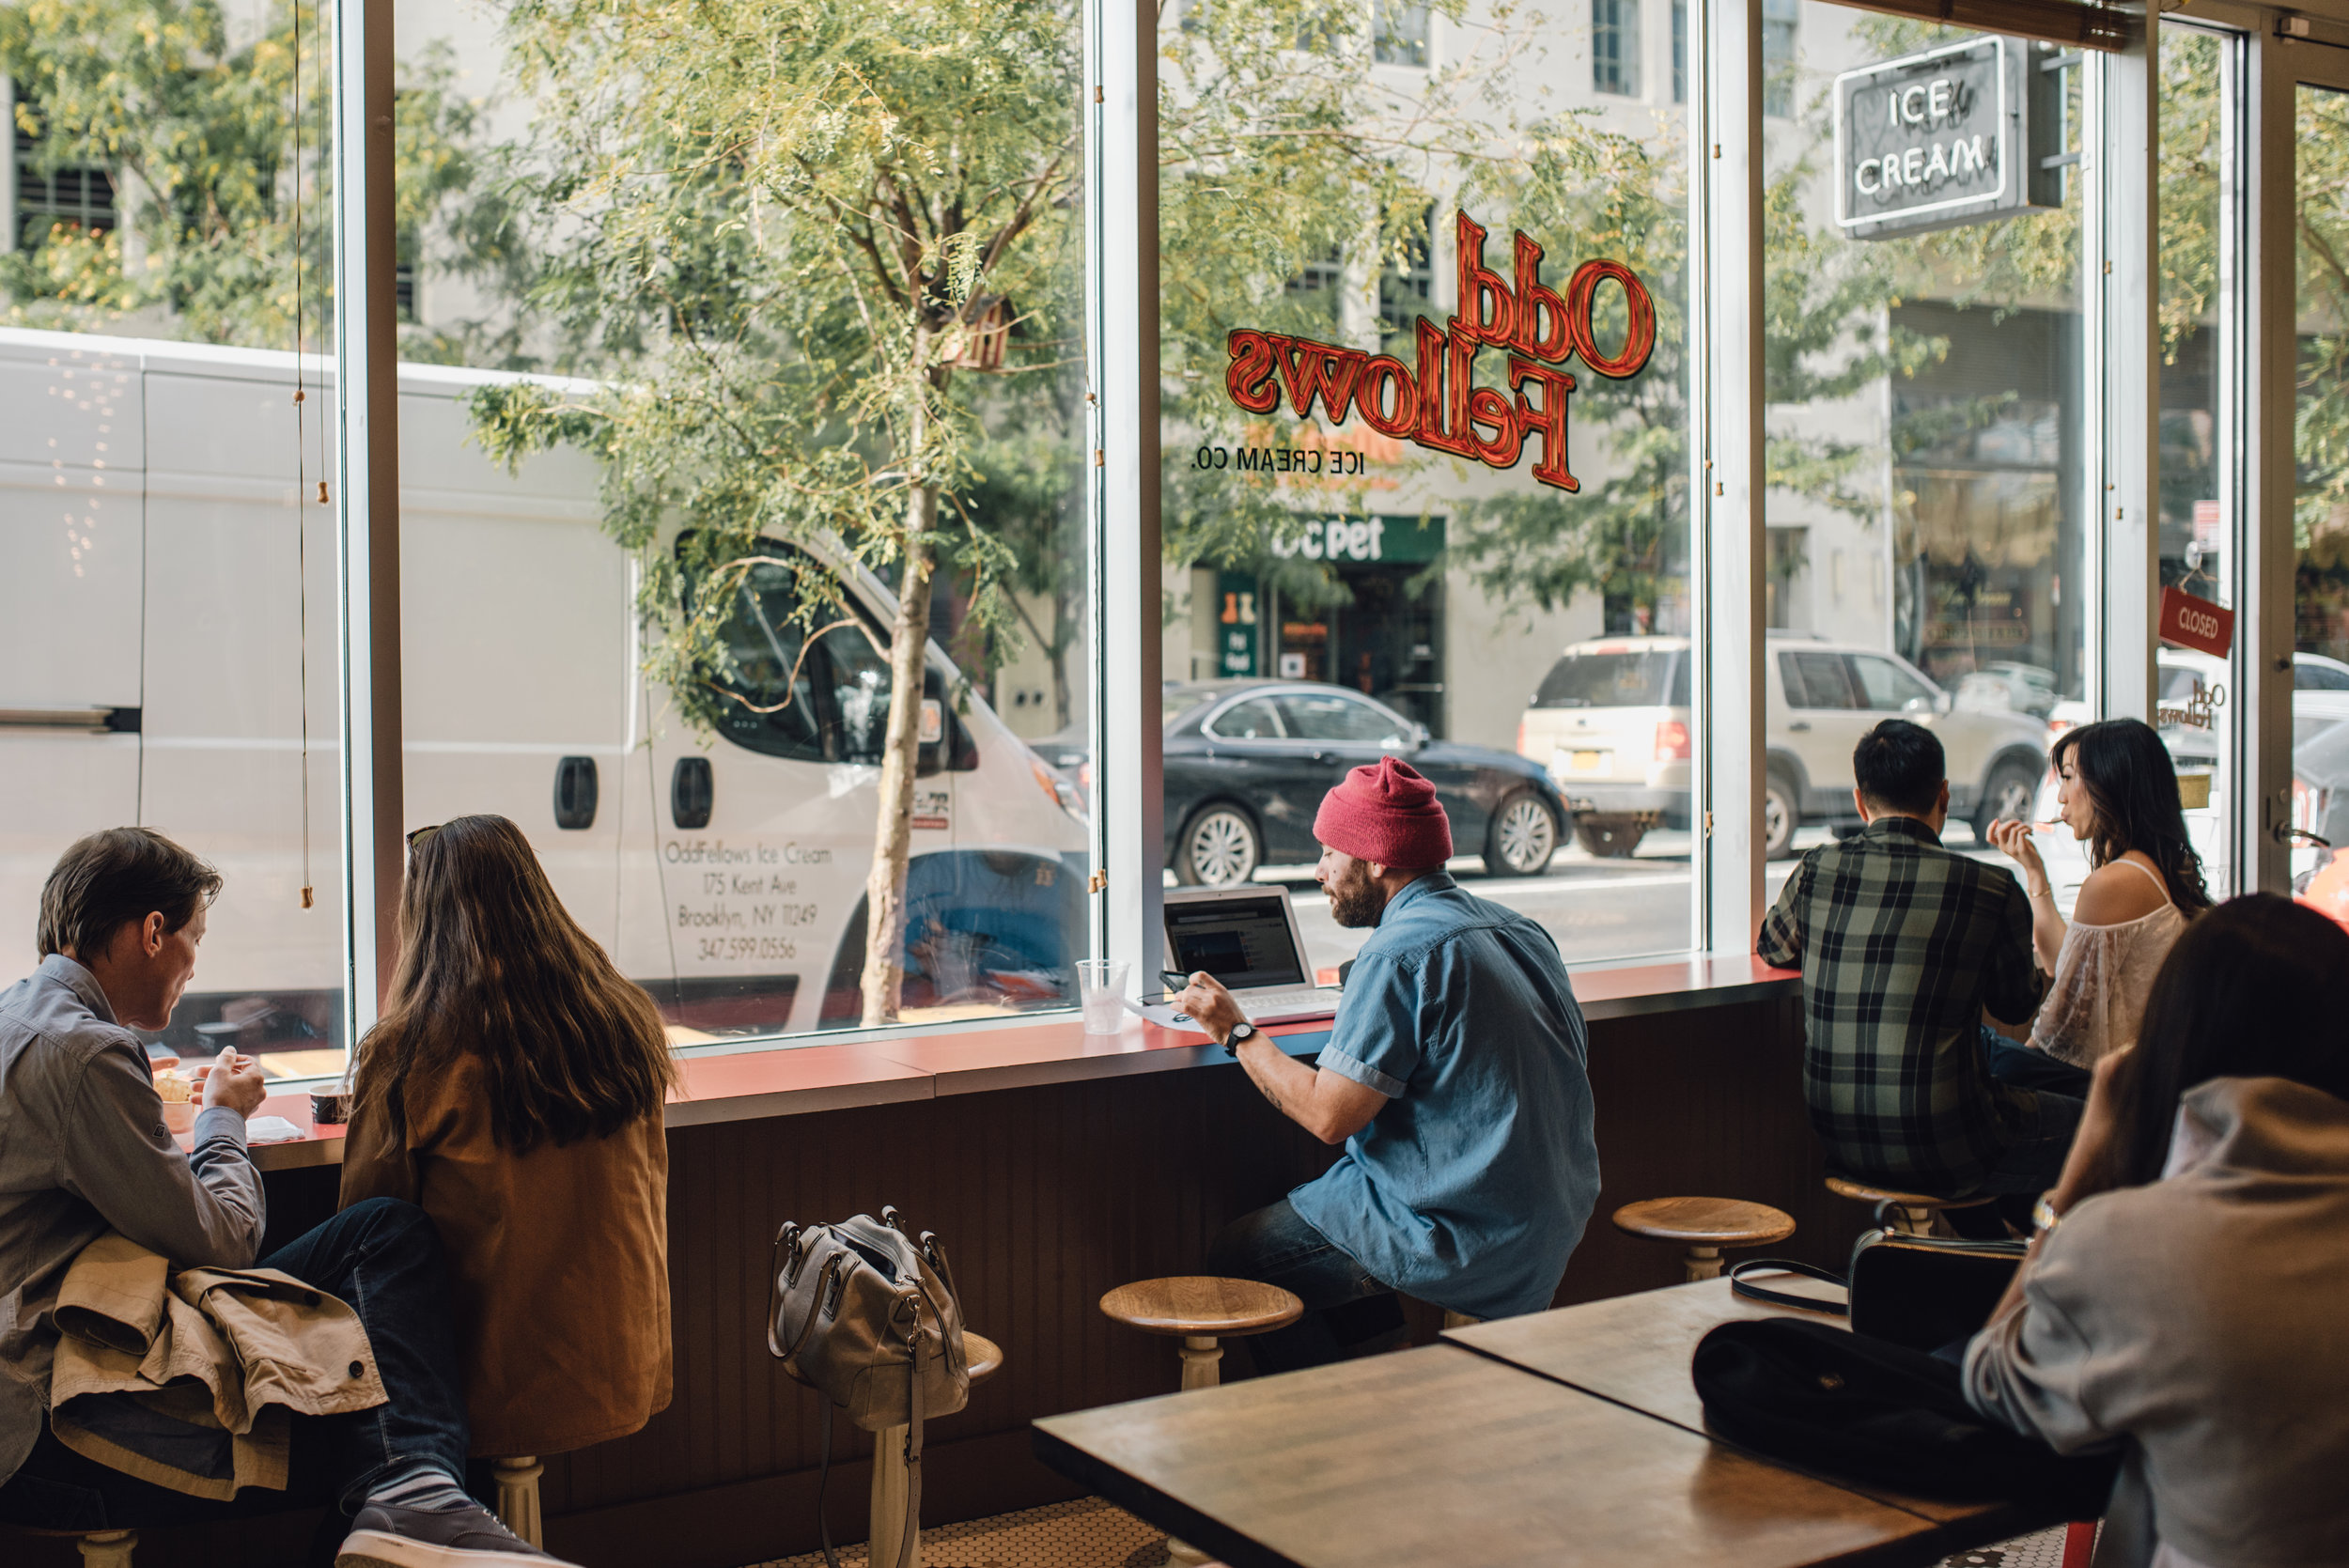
[{"x": 1247, "y": 938}]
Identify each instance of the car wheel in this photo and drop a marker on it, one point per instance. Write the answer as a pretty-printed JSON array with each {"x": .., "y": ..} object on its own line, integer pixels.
[
  {"x": 1217, "y": 848},
  {"x": 1782, "y": 814},
  {"x": 1522, "y": 838},
  {"x": 1611, "y": 835},
  {"x": 2006, "y": 796}
]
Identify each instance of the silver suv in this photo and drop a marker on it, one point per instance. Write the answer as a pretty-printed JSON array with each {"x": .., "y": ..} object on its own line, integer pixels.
[{"x": 1611, "y": 721}]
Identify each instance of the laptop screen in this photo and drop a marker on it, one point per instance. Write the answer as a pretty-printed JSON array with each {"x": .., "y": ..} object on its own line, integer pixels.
[{"x": 1244, "y": 942}]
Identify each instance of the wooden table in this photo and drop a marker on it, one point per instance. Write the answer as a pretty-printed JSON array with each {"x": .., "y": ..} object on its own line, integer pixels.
[
  {"x": 1635, "y": 1350},
  {"x": 1458, "y": 1457}
]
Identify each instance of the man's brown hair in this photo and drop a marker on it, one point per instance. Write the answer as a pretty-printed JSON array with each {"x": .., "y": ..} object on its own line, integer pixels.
[{"x": 116, "y": 877}]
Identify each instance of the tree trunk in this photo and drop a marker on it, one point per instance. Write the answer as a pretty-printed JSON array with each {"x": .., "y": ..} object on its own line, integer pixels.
[{"x": 884, "y": 978}]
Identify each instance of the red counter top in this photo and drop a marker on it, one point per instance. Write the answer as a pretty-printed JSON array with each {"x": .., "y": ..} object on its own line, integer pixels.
[{"x": 757, "y": 1079}]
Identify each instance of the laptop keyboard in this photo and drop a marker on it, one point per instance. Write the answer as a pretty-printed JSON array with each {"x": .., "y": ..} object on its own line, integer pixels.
[{"x": 1282, "y": 1006}]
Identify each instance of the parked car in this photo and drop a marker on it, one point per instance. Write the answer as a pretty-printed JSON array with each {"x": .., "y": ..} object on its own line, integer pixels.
[
  {"x": 1248, "y": 762},
  {"x": 1611, "y": 721}
]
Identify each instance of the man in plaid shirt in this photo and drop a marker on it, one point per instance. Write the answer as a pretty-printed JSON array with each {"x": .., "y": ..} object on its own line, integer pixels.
[{"x": 1902, "y": 946}]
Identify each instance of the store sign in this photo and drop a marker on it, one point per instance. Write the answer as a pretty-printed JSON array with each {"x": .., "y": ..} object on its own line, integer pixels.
[
  {"x": 1236, "y": 624},
  {"x": 1948, "y": 137},
  {"x": 1435, "y": 403},
  {"x": 2196, "y": 622},
  {"x": 1365, "y": 539}
]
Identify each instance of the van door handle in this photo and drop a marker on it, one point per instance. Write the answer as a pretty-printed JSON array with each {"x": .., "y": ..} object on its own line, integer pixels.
[
  {"x": 1799, "y": 725},
  {"x": 575, "y": 793},
  {"x": 692, "y": 793}
]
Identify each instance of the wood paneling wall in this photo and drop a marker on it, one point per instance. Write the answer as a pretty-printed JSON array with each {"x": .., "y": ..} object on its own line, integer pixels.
[{"x": 1045, "y": 1197}]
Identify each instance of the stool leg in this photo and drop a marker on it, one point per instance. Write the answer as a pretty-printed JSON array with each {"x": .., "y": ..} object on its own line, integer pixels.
[
  {"x": 1913, "y": 1222},
  {"x": 1459, "y": 1320},
  {"x": 890, "y": 1484},
  {"x": 108, "y": 1548},
  {"x": 1201, "y": 1370},
  {"x": 518, "y": 1497},
  {"x": 1703, "y": 1262},
  {"x": 1200, "y": 1354}
]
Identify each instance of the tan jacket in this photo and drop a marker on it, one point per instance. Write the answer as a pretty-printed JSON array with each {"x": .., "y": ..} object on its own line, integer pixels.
[
  {"x": 558, "y": 1258},
  {"x": 234, "y": 1351},
  {"x": 2204, "y": 1320}
]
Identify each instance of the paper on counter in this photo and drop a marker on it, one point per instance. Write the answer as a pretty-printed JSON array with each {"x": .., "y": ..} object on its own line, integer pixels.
[{"x": 272, "y": 1130}]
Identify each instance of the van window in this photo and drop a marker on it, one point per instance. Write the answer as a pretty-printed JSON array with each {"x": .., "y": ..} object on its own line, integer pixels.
[
  {"x": 1889, "y": 689},
  {"x": 824, "y": 703},
  {"x": 1631, "y": 679},
  {"x": 1817, "y": 680},
  {"x": 2309, "y": 677}
]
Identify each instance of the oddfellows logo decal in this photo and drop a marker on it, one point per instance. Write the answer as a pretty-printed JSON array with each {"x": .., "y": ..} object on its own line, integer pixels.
[{"x": 1438, "y": 406}]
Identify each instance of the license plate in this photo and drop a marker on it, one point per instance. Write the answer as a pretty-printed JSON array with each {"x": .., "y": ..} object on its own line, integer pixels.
[{"x": 1584, "y": 761}]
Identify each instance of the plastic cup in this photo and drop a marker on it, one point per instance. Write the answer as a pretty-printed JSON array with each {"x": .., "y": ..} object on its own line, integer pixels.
[{"x": 1101, "y": 990}]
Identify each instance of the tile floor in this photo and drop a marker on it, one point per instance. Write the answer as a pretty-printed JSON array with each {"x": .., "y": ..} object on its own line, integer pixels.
[{"x": 1091, "y": 1533}]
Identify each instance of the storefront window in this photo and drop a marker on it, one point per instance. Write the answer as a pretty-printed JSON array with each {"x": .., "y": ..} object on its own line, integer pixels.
[
  {"x": 1426, "y": 447},
  {"x": 1926, "y": 453},
  {"x": 2320, "y": 676},
  {"x": 2201, "y": 491},
  {"x": 167, "y": 584},
  {"x": 652, "y": 581}
]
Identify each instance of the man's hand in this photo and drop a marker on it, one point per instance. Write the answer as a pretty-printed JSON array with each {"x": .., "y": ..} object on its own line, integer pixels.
[
  {"x": 234, "y": 1082},
  {"x": 1210, "y": 1006}
]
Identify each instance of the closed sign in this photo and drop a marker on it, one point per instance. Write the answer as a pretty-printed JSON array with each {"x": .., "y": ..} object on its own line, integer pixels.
[{"x": 2196, "y": 622}]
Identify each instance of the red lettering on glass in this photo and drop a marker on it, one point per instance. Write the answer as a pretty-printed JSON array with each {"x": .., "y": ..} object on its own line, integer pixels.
[{"x": 1437, "y": 404}]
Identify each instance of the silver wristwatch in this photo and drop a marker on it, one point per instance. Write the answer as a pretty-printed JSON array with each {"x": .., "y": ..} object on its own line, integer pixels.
[{"x": 1241, "y": 1030}]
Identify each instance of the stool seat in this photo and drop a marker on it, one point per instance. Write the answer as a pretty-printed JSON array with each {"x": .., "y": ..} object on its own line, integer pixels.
[
  {"x": 984, "y": 1356},
  {"x": 1843, "y": 1186},
  {"x": 1195, "y": 1304},
  {"x": 1708, "y": 1222}
]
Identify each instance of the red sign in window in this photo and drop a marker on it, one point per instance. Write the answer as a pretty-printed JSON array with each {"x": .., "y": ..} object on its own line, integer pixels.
[{"x": 2196, "y": 622}]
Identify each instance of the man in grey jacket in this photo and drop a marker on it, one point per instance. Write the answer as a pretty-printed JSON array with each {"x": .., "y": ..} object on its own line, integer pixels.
[{"x": 84, "y": 1149}]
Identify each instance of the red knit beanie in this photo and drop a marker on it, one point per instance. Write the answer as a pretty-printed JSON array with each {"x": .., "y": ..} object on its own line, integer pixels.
[{"x": 1386, "y": 811}]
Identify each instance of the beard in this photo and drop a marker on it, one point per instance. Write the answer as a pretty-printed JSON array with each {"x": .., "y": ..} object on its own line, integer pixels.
[{"x": 1355, "y": 900}]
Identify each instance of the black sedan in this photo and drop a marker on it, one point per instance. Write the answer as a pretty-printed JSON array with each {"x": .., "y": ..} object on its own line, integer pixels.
[{"x": 1248, "y": 762}]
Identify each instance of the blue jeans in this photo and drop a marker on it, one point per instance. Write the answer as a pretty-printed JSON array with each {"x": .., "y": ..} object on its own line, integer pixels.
[
  {"x": 2024, "y": 1068},
  {"x": 1348, "y": 1312},
  {"x": 384, "y": 1258}
]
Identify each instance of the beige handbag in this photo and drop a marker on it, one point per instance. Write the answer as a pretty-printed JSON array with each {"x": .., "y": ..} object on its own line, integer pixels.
[{"x": 868, "y": 1316}]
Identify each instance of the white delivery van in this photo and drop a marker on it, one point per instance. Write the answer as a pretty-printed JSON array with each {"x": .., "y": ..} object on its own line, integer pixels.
[{"x": 151, "y": 541}]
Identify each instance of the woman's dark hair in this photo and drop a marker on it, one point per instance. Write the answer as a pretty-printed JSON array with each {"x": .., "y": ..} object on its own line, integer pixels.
[
  {"x": 2259, "y": 988},
  {"x": 492, "y": 966},
  {"x": 114, "y": 878},
  {"x": 2133, "y": 786}
]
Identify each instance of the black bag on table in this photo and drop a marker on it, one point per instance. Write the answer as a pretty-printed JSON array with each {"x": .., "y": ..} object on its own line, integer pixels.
[
  {"x": 1923, "y": 1291},
  {"x": 1853, "y": 1407}
]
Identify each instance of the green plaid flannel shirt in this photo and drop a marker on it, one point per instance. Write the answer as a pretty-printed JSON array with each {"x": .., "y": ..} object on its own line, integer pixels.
[{"x": 1902, "y": 944}]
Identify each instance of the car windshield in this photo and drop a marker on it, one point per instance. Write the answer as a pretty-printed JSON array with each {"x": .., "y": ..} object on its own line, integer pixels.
[{"x": 1622, "y": 679}]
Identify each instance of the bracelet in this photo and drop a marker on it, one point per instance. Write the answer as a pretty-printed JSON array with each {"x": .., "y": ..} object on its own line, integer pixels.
[{"x": 2042, "y": 892}]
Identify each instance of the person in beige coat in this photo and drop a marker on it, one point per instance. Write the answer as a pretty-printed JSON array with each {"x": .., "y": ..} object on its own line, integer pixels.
[
  {"x": 514, "y": 1090},
  {"x": 2185, "y": 1295}
]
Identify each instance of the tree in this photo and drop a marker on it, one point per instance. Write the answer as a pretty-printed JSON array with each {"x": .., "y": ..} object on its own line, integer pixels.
[
  {"x": 787, "y": 238},
  {"x": 228, "y": 197}
]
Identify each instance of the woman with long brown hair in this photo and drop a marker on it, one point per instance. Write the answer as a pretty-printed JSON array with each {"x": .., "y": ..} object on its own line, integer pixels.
[
  {"x": 513, "y": 1089},
  {"x": 2118, "y": 794}
]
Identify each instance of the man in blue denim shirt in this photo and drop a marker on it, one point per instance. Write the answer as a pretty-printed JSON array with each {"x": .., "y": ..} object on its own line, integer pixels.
[{"x": 1456, "y": 1075}]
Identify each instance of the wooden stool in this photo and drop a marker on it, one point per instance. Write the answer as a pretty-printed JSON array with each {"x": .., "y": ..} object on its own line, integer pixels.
[
  {"x": 892, "y": 1479},
  {"x": 518, "y": 1497},
  {"x": 1912, "y": 1213},
  {"x": 1202, "y": 1309},
  {"x": 99, "y": 1549},
  {"x": 1704, "y": 1226}
]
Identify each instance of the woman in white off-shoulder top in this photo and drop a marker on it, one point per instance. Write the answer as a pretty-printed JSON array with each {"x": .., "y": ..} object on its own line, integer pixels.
[{"x": 2119, "y": 793}]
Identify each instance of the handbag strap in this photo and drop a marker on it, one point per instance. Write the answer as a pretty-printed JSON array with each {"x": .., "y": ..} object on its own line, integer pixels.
[
  {"x": 1738, "y": 1283},
  {"x": 815, "y": 1309},
  {"x": 913, "y": 1432}
]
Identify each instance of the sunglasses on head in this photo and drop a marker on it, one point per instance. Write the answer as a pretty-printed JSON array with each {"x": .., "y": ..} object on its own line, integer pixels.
[{"x": 420, "y": 835}]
